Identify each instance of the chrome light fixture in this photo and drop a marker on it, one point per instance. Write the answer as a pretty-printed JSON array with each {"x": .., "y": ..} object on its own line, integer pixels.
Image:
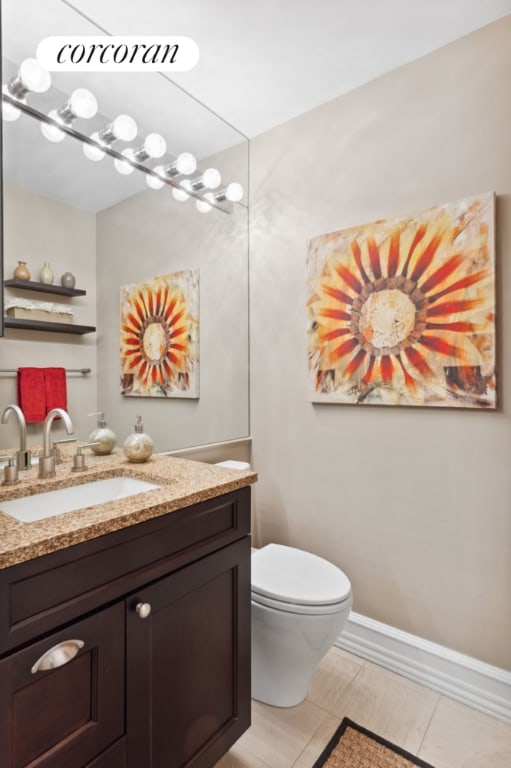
[
  {"x": 153, "y": 146},
  {"x": 210, "y": 179},
  {"x": 30, "y": 77},
  {"x": 81, "y": 104},
  {"x": 184, "y": 164},
  {"x": 232, "y": 192},
  {"x": 123, "y": 128}
]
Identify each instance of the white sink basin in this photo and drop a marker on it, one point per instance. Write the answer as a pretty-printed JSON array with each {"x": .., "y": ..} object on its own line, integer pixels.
[{"x": 39, "y": 506}]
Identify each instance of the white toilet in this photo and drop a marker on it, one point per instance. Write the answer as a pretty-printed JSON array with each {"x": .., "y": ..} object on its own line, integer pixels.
[{"x": 300, "y": 603}]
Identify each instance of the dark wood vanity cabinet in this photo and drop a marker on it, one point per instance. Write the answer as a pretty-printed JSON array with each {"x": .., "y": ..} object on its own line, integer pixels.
[{"x": 154, "y": 621}]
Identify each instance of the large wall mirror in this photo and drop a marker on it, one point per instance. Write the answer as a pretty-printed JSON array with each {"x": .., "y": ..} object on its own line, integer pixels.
[{"x": 114, "y": 230}]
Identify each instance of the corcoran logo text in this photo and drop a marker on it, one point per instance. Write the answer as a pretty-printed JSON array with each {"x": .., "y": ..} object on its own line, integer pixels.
[{"x": 117, "y": 54}]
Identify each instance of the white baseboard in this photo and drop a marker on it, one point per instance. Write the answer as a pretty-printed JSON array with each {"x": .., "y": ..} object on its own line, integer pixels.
[{"x": 460, "y": 677}]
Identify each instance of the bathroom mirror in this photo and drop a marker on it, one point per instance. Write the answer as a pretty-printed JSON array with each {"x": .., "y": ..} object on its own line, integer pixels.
[{"x": 111, "y": 230}]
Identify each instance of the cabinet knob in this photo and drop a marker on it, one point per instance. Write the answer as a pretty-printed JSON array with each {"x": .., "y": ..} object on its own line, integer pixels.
[{"x": 143, "y": 610}]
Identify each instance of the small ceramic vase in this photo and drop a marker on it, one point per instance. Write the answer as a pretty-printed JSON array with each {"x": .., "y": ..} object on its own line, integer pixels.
[
  {"x": 68, "y": 280},
  {"x": 21, "y": 272},
  {"x": 46, "y": 274}
]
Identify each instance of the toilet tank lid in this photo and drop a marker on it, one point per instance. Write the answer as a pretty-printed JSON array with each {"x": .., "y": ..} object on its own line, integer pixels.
[{"x": 295, "y": 576}]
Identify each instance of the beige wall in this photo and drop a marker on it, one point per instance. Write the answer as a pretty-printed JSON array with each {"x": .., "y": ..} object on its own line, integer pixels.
[
  {"x": 414, "y": 504},
  {"x": 37, "y": 229}
]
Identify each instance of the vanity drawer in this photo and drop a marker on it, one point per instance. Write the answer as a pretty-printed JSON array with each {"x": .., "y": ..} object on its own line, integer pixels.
[
  {"x": 65, "y": 716},
  {"x": 41, "y": 594}
]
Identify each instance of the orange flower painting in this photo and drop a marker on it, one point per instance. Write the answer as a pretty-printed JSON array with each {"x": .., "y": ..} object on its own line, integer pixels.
[
  {"x": 402, "y": 312},
  {"x": 160, "y": 336}
]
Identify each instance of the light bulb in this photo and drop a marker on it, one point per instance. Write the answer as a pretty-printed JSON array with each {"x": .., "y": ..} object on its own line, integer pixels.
[
  {"x": 152, "y": 179},
  {"x": 51, "y": 132},
  {"x": 181, "y": 193},
  {"x": 202, "y": 206},
  {"x": 124, "y": 166},
  {"x": 234, "y": 192},
  {"x": 124, "y": 128},
  {"x": 186, "y": 163},
  {"x": 83, "y": 103},
  {"x": 33, "y": 77},
  {"x": 93, "y": 152},
  {"x": 211, "y": 178},
  {"x": 155, "y": 145},
  {"x": 9, "y": 112}
]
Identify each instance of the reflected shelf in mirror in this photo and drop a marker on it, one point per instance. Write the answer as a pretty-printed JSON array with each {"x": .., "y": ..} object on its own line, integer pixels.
[
  {"x": 41, "y": 325},
  {"x": 32, "y": 285}
]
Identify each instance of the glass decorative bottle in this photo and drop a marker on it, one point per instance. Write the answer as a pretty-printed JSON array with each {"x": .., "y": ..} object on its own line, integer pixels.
[{"x": 102, "y": 435}]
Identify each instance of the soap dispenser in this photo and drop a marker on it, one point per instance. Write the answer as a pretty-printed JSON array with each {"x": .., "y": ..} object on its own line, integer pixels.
[
  {"x": 138, "y": 446},
  {"x": 102, "y": 435}
]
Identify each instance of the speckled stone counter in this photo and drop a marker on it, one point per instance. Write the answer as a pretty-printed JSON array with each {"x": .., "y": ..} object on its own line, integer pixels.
[{"x": 182, "y": 483}]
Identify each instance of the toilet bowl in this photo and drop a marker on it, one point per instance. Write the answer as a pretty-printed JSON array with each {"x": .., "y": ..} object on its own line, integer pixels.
[{"x": 300, "y": 603}]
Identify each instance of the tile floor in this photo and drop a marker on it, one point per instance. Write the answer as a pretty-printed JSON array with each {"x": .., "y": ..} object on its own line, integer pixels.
[{"x": 437, "y": 729}]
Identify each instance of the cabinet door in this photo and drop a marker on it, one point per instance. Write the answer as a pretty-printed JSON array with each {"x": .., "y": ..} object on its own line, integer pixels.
[
  {"x": 188, "y": 663},
  {"x": 62, "y": 698}
]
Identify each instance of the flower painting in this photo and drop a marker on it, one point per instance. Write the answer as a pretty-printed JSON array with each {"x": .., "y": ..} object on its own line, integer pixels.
[
  {"x": 402, "y": 312},
  {"x": 160, "y": 336}
]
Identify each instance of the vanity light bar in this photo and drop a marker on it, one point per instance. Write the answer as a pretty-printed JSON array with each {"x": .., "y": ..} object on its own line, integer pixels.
[{"x": 181, "y": 190}]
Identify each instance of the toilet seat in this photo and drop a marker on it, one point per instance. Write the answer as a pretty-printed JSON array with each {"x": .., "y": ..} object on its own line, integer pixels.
[{"x": 295, "y": 581}]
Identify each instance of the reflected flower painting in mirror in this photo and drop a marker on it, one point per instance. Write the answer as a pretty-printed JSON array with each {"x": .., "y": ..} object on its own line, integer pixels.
[
  {"x": 160, "y": 336},
  {"x": 402, "y": 311}
]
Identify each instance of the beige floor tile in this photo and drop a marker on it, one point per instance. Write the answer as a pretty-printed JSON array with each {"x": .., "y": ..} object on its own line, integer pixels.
[
  {"x": 333, "y": 675},
  {"x": 443, "y": 732},
  {"x": 318, "y": 742},
  {"x": 237, "y": 757},
  {"x": 461, "y": 737},
  {"x": 389, "y": 705},
  {"x": 278, "y": 735}
]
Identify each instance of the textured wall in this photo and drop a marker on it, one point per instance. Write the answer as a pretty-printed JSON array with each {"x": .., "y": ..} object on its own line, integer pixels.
[{"x": 414, "y": 504}]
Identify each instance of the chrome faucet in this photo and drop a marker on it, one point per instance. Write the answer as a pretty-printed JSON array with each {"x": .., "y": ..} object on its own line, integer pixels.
[
  {"x": 23, "y": 457},
  {"x": 47, "y": 460}
]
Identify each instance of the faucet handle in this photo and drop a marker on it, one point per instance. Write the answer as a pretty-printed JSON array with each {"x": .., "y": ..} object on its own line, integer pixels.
[
  {"x": 56, "y": 450},
  {"x": 79, "y": 459}
]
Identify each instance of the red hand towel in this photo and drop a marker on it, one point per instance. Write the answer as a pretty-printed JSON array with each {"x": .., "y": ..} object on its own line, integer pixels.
[
  {"x": 55, "y": 388},
  {"x": 31, "y": 393}
]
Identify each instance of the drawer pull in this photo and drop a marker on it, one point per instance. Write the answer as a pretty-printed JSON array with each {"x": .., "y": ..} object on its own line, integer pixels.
[
  {"x": 58, "y": 655},
  {"x": 143, "y": 610}
]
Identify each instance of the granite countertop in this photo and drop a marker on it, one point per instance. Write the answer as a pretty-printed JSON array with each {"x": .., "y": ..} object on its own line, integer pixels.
[{"x": 182, "y": 483}]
